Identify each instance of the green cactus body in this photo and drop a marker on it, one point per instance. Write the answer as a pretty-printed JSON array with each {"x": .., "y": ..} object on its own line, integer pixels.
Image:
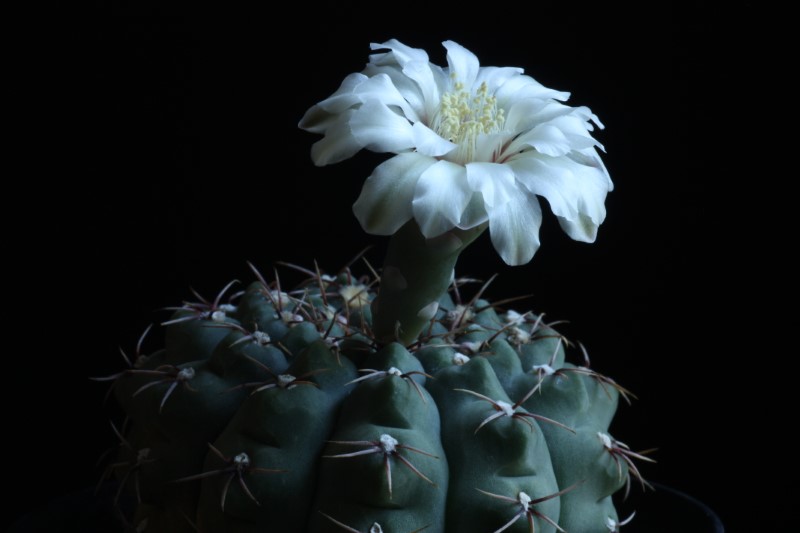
[
  {"x": 282, "y": 412},
  {"x": 587, "y": 406},
  {"x": 504, "y": 457},
  {"x": 385, "y": 462},
  {"x": 281, "y": 429}
]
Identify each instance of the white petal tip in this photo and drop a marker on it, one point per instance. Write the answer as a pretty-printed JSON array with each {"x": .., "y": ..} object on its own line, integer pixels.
[{"x": 429, "y": 311}]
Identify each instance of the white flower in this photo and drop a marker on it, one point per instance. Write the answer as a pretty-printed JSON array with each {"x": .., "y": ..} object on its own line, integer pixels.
[{"x": 474, "y": 145}]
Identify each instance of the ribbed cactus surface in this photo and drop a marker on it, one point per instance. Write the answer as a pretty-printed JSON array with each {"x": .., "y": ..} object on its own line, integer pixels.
[{"x": 275, "y": 410}]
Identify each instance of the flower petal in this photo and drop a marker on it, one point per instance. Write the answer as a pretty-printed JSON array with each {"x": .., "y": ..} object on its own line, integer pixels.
[
  {"x": 384, "y": 204},
  {"x": 320, "y": 116},
  {"x": 381, "y": 88},
  {"x": 557, "y": 184},
  {"x": 316, "y": 120},
  {"x": 463, "y": 63},
  {"x": 475, "y": 213},
  {"x": 441, "y": 195},
  {"x": 576, "y": 193},
  {"x": 424, "y": 75},
  {"x": 407, "y": 88},
  {"x": 338, "y": 143},
  {"x": 489, "y": 146},
  {"x": 542, "y": 148},
  {"x": 344, "y": 97},
  {"x": 495, "y": 77},
  {"x": 494, "y": 181},
  {"x": 414, "y": 65},
  {"x": 428, "y": 142},
  {"x": 589, "y": 158},
  {"x": 524, "y": 86},
  {"x": 586, "y": 114},
  {"x": 380, "y": 129},
  {"x": 552, "y": 111},
  {"x": 524, "y": 114},
  {"x": 582, "y": 229},
  {"x": 400, "y": 53},
  {"x": 576, "y": 131},
  {"x": 546, "y": 139},
  {"x": 514, "y": 228}
]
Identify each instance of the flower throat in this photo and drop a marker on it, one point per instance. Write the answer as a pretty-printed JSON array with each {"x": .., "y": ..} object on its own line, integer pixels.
[{"x": 461, "y": 117}]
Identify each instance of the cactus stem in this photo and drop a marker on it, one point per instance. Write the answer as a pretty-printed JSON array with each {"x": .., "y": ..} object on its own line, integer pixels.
[
  {"x": 374, "y": 528},
  {"x": 389, "y": 447},
  {"x": 469, "y": 308},
  {"x": 544, "y": 370},
  {"x": 171, "y": 374},
  {"x": 506, "y": 409},
  {"x": 527, "y": 508},
  {"x": 256, "y": 336},
  {"x": 519, "y": 336},
  {"x": 133, "y": 466},
  {"x": 426, "y": 267},
  {"x": 460, "y": 359},
  {"x": 450, "y": 328},
  {"x": 614, "y": 526},
  {"x": 547, "y": 370},
  {"x": 393, "y": 278},
  {"x": 621, "y": 452},
  {"x": 237, "y": 467},
  {"x": 500, "y": 303},
  {"x": 340, "y": 524},
  {"x": 281, "y": 300},
  {"x": 372, "y": 373},
  {"x": 603, "y": 380},
  {"x": 282, "y": 381},
  {"x": 204, "y": 309}
]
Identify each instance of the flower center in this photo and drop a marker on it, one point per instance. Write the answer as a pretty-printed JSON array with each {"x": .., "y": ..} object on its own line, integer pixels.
[{"x": 462, "y": 116}]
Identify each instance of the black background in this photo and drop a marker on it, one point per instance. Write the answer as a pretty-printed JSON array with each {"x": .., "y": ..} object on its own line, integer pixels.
[{"x": 176, "y": 159}]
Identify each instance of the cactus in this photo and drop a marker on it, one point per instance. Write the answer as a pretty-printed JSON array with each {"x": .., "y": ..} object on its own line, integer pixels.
[
  {"x": 388, "y": 402},
  {"x": 282, "y": 411}
]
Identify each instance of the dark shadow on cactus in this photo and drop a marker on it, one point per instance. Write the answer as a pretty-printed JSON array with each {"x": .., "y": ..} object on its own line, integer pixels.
[{"x": 665, "y": 510}]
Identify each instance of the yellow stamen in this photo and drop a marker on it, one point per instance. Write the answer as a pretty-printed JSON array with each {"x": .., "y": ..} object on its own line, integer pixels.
[{"x": 461, "y": 117}]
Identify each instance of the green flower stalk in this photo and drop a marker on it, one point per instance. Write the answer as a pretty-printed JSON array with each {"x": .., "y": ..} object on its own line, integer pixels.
[{"x": 416, "y": 273}]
